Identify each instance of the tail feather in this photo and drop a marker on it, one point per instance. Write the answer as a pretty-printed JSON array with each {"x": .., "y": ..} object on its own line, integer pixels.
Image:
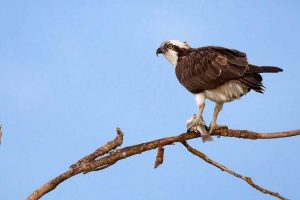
[
  {"x": 252, "y": 78},
  {"x": 263, "y": 69},
  {"x": 270, "y": 69}
]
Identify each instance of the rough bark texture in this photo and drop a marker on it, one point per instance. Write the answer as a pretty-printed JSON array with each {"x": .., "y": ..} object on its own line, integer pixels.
[{"x": 108, "y": 155}]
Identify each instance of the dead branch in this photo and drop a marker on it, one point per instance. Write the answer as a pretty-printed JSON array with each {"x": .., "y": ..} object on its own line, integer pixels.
[
  {"x": 108, "y": 155},
  {"x": 223, "y": 168}
]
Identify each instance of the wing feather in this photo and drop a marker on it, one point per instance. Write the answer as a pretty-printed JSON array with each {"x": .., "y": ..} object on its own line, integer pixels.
[{"x": 210, "y": 67}]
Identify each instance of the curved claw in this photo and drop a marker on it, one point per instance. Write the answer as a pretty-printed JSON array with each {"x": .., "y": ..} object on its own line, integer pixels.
[
  {"x": 198, "y": 125},
  {"x": 193, "y": 122}
]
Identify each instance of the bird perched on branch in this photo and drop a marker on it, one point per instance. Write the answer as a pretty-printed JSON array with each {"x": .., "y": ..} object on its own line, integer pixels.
[{"x": 216, "y": 73}]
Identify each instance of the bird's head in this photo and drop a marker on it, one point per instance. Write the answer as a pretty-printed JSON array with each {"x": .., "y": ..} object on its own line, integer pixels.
[{"x": 172, "y": 50}]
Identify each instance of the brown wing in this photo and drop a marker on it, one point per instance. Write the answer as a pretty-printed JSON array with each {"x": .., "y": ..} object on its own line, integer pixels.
[{"x": 209, "y": 67}]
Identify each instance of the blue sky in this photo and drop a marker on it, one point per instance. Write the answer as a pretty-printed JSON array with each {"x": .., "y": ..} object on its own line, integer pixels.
[{"x": 72, "y": 71}]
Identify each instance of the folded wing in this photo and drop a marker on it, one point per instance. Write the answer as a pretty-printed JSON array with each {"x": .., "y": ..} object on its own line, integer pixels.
[{"x": 209, "y": 67}]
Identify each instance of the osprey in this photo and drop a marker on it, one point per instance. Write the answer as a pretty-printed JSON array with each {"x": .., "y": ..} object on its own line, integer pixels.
[{"x": 216, "y": 73}]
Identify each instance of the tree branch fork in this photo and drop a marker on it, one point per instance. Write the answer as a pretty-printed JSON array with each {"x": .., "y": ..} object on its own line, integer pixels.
[{"x": 110, "y": 153}]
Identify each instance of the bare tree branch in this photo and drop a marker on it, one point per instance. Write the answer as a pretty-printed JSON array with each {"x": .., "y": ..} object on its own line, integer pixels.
[
  {"x": 223, "y": 168},
  {"x": 108, "y": 155}
]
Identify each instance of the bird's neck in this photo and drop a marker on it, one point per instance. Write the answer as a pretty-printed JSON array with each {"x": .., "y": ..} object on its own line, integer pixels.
[{"x": 172, "y": 57}]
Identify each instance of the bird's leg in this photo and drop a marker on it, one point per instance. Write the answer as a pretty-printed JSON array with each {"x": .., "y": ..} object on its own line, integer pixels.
[
  {"x": 198, "y": 122},
  {"x": 200, "y": 101},
  {"x": 213, "y": 125}
]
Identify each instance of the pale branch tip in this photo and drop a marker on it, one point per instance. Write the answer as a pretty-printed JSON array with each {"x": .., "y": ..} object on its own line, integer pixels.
[{"x": 109, "y": 154}]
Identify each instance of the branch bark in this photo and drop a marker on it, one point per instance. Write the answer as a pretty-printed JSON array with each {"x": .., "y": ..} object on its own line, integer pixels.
[
  {"x": 108, "y": 155},
  {"x": 223, "y": 168}
]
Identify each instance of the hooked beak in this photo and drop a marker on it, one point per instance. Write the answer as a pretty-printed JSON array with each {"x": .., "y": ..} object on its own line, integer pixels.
[{"x": 160, "y": 50}]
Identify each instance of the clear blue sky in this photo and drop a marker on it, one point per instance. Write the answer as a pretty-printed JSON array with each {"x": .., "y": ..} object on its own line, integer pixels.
[{"x": 72, "y": 71}]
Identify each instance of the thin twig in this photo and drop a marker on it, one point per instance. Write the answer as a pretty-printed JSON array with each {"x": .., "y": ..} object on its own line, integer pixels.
[
  {"x": 223, "y": 168},
  {"x": 112, "y": 157}
]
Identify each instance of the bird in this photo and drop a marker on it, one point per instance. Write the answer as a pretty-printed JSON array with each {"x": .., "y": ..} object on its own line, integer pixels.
[{"x": 216, "y": 73}]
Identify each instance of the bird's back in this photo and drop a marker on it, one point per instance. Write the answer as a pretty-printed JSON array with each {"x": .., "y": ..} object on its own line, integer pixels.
[{"x": 209, "y": 67}]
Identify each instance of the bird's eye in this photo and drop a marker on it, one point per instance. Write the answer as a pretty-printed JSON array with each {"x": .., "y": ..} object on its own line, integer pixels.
[{"x": 170, "y": 46}]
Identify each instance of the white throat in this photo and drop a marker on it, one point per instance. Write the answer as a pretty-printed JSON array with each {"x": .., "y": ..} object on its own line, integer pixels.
[{"x": 172, "y": 57}]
